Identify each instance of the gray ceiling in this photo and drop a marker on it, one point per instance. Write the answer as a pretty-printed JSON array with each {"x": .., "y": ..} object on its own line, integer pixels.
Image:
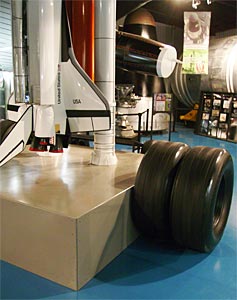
[
  {"x": 224, "y": 17},
  {"x": 224, "y": 12}
]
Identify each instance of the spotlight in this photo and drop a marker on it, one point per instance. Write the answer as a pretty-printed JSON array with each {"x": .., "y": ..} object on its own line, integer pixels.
[{"x": 195, "y": 3}]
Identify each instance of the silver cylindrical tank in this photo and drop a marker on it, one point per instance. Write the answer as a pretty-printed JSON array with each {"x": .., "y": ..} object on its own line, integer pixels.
[
  {"x": 186, "y": 87},
  {"x": 222, "y": 73}
]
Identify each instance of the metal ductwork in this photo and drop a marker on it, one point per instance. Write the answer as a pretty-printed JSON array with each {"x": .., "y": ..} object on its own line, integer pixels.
[{"x": 143, "y": 55}]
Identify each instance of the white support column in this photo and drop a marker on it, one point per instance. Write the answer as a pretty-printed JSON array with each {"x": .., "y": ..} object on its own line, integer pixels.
[
  {"x": 105, "y": 22},
  {"x": 19, "y": 51}
]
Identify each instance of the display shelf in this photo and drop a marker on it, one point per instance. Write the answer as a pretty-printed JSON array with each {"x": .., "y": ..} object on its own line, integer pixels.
[
  {"x": 54, "y": 224},
  {"x": 133, "y": 141},
  {"x": 217, "y": 117}
]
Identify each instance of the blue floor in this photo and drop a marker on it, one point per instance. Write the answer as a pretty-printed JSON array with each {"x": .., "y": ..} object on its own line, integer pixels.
[{"x": 147, "y": 270}]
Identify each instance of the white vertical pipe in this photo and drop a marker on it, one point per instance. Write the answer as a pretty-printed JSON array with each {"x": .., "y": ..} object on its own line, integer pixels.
[
  {"x": 43, "y": 58},
  {"x": 105, "y": 22},
  {"x": 48, "y": 68},
  {"x": 44, "y": 126},
  {"x": 44, "y": 45},
  {"x": 19, "y": 51}
]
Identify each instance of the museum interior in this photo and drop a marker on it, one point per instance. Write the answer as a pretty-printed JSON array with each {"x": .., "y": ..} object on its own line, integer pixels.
[{"x": 118, "y": 149}]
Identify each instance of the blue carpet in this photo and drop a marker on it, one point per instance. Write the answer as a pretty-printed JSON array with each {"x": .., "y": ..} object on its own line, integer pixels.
[{"x": 146, "y": 269}]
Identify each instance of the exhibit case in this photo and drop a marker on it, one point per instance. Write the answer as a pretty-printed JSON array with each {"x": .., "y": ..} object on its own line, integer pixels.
[{"x": 217, "y": 116}]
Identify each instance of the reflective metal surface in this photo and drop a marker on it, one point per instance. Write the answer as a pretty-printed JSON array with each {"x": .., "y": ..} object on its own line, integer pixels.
[{"x": 67, "y": 183}]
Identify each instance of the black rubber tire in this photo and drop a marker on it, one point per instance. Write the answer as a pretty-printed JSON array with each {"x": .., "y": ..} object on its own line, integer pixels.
[
  {"x": 5, "y": 127},
  {"x": 153, "y": 186},
  {"x": 146, "y": 146},
  {"x": 201, "y": 198}
]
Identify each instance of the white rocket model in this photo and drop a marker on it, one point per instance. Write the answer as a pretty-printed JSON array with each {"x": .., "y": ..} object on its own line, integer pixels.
[
  {"x": 62, "y": 84},
  {"x": 62, "y": 97},
  {"x": 60, "y": 90}
]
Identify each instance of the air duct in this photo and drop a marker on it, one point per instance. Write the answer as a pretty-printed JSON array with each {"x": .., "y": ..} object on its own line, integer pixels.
[{"x": 139, "y": 54}]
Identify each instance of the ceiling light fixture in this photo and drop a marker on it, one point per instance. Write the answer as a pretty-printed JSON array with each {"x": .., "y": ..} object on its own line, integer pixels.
[{"x": 195, "y": 3}]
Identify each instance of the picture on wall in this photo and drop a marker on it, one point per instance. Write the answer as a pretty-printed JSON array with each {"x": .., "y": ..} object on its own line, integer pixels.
[
  {"x": 196, "y": 42},
  {"x": 204, "y": 126},
  {"x": 205, "y": 116},
  {"x": 222, "y": 131},
  {"x": 234, "y": 106},
  {"x": 223, "y": 117},
  {"x": 216, "y": 103},
  {"x": 226, "y": 104},
  {"x": 214, "y": 122},
  {"x": 207, "y": 104},
  {"x": 215, "y": 113},
  {"x": 162, "y": 102},
  {"x": 217, "y": 116}
]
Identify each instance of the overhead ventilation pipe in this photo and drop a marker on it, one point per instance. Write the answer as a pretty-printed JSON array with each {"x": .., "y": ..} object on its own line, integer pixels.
[
  {"x": 141, "y": 23},
  {"x": 19, "y": 43},
  {"x": 140, "y": 54},
  {"x": 105, "y": 22}
]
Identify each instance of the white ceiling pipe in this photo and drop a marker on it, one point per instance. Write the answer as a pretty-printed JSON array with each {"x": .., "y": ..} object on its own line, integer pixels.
[{"x": 105, "y": 24}]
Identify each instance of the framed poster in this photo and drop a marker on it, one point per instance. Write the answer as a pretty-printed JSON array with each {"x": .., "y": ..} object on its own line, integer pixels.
[
  {"x": 162, "y": 102},
  {"x": 196, "y": 42}
]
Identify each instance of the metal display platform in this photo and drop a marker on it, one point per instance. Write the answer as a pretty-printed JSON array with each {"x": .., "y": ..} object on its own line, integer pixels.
[{"x": 63, "y": 218}]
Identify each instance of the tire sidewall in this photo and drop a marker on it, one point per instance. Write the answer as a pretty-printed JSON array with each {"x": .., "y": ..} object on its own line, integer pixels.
[{"x": 204, "y": 179}]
